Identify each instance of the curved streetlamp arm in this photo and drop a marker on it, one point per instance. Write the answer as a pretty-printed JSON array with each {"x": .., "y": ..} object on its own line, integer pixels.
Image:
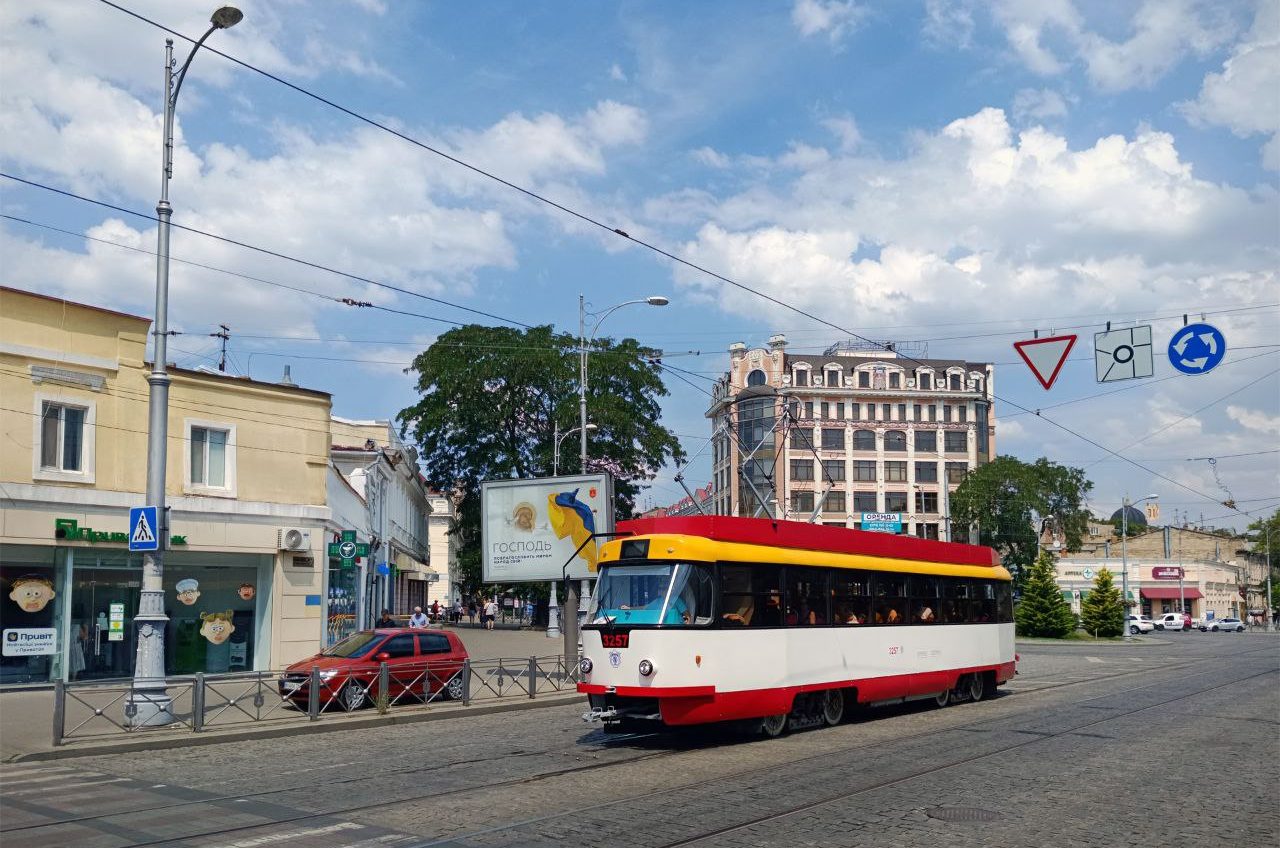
[
  {"x": 606, "y": 314},
  {"x": 182, "y": 72}
]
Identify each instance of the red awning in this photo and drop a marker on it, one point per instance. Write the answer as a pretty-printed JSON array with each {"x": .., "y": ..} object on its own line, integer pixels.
[{"x": 1171, "y": 594}]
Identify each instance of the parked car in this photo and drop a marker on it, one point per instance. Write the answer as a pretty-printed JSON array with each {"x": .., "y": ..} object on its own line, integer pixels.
[
  {"x": 1173, "y": 621},
  {"x": 1140, "y": 624},
  {"x": 1231, "y": 625},
  {"x": 420, "y": 664}
]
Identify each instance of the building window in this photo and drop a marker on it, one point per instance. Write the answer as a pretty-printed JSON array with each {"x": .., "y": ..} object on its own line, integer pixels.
[
  {"x": 801, "y": 377},
  {"x": 209, "y": 457},
  {"x": 61, "y": 437},
  {"x": 756, "y": 378},
  {"x": 839, "y": 411},
  {"x": 864, "y": 470},
  {"x": 832, "y": 377},
  {"x": 956, "y": 471},
  {"x": 926, "y": 380},
  {"x": 926, "y": 472},
  {"x": 895, "y": 501},
  {"x": 954, "y": 380},
  {"x": 902, "y": 412},
  {"x": 927, "y": 502},
  {"x": 864, "y": 440},
  {"x": 895, "y": 472},
  {"x": 801, "y": 439},
  {"x": 926, "y": 441},
  {"x": 956, "y": 441},
  {"x": 927, "y": 531},
  {"x": 864, "y": 501},
  {"x": 793, "y": 408},
  {"x": 895, "y": 380},
  {"x": 834, "y": 502},
  {"x": 802, "y": 501},
  {"x": 917, "y": 412},
  {"x": 946, "y": 413},
  {"x": 977, "y": 384},
  {"x": 886, "y": 412},
  {"x": 826, "y": 411},
  {"x": 962, "y": 414},
  {"x": 833, "y": 469},
  {"x": 933, "y": 412},
  {"x": 802, "y": 469},
  {"x": 832, "y": 439},
  {"x": 864, "y": 379},
  {"x": 856, "y": 409},
  {"x": 895, "y": 440},
  {"x": 808, "y": 410}
]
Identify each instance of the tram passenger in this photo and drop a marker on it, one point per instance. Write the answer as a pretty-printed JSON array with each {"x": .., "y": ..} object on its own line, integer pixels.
[
  {"x": 771, "y": 615},
  {"x": 924, "y": 614},
  {"x": 893, "y": 616}
]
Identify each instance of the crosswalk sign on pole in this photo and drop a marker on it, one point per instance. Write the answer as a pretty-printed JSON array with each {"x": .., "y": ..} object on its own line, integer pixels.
[
  {"x": 144, "y": 529},
  {"x": 1045, "y": 357}
]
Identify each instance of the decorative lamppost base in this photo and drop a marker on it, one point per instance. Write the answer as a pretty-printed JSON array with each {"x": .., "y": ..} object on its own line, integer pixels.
[{"x": 148, "y": 708}]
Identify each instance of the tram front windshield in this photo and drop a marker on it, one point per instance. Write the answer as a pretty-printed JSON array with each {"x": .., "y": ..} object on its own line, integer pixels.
[{"x": 670, "y": 594}]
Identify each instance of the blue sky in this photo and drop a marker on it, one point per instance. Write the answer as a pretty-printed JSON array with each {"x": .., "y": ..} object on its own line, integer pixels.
[{"x": 947, "y": 171}]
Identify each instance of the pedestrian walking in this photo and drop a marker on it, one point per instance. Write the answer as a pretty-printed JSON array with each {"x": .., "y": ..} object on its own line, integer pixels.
[
  {"x": 457, "y": 610},
  {"x": 491, "y": 613},
  {"x": 471, "y": 612},
  {"x": 419, "y": 619},
  {"x": 435, "y": 610}
]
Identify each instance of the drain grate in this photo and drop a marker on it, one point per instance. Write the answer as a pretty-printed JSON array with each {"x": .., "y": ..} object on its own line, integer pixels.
[{"x": 963, "y": 814}]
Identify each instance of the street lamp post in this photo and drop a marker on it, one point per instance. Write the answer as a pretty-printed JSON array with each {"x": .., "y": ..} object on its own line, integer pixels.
[
  {"x": 553, "y": 611},
  {"x": 1124, "y": 558},
  {"x": 559, "y": 438},
  {"x": 571, "y": 602},
  {"x": 149, "y": 702}
]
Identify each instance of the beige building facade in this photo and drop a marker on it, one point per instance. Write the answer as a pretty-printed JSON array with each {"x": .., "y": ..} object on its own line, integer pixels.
[
  {"x": 853, "y": 432},
  {"x": 247, "y": 472}
]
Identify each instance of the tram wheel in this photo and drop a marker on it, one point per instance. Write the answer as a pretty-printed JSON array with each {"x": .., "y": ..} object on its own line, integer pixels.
[
  {"x": 943, "y": 698},
  {"x": 832, "y": 707},
  {"x": 773, "y": 726},
  {"x": 976, "y": 687}
]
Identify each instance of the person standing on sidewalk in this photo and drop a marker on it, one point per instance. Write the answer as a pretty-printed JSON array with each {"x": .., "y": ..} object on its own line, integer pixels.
[{"x": 491, "y": 613}]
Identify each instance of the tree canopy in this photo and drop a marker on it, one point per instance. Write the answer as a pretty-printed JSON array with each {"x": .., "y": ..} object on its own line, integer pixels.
[
  {"x": 489, "y": 402},
  {"x": 1042, "y": 610},
  {"x": 1265, "y": 533},
  {"x": 1102, "y": 612},
  {"x": 1010, "y": 501}
]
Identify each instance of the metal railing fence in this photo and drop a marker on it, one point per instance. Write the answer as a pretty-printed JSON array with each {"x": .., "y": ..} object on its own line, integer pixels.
[{"x": 197, "y": 703}]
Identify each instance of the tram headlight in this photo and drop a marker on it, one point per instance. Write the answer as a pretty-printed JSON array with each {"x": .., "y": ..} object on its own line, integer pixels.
[
  {"x": 646, "y": 668},
  {"x": 585, "y": 666}
]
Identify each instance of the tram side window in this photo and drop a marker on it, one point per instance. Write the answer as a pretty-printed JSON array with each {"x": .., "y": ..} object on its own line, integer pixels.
[
  {"x": 751, "y": 595},
  {"x": 984, "y": 604},
  {"x": 806, "y": 598},
  {"x": 925, "y": 594},
  {"x": 890, "y": 605},
  {"x": 957, "y": 601},
  {"x": 1004, "y": 602},
  {"x": 851, "y": 597}
]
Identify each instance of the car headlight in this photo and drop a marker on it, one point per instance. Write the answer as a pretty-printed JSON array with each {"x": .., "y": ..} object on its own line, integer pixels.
[
  {"x": 328, "y": 675},
  {"x": 586, "y": 665},
  {"x": 646, "y": 668}
]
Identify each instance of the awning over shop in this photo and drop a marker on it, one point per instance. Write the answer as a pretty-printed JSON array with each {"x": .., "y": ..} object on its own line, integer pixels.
[
  {"x": 1171, "y": 594},
  {"x": 413, "y": 569},
  {"x": 1068, "y": 595}
]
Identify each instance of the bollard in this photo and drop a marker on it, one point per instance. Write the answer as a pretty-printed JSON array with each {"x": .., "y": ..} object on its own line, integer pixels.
[
  {"x": 197, "y": 703},
  {"x": 466, "y": 683},
  {"x": 313, "y": 694},
  {"x": 533, "y": 675},
  {"x": 59, "y": 711},
  {"x": 384, "y": 689}
]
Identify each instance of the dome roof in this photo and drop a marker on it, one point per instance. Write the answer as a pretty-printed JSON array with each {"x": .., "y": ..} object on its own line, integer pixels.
[{"x": 1135, "y": 517}]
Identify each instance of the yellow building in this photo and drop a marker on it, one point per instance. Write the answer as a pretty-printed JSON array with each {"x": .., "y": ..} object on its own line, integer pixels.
[{"x": 247, "y": 473}]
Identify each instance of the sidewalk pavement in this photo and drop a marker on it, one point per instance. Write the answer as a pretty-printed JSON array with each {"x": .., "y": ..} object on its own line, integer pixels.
[{"x": 26, "y": 716}]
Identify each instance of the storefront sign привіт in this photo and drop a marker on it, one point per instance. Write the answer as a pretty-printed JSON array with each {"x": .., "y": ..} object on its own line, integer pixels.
[{"x": 69, "y": 529}]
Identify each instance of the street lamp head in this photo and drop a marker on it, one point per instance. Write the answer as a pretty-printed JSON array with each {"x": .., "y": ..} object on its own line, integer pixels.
[
  {"x": 657, "y": 300},
  {"x": 1151, "y": 497},
  {"x": 593, "y": 427},
  {"x": 226, "y": 17}
]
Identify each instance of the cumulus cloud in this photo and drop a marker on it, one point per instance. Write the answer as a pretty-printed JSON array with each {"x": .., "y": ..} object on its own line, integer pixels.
[
  {"x": 949, "y": 22},
  {"x": 836, "y": 18},
  {"x": 1038, "y": 104}
]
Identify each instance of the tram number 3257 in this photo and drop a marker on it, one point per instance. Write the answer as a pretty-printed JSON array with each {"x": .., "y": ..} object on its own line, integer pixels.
[
  {"x": 895, "y": 649},
  {"x": 615, "y": 640}
]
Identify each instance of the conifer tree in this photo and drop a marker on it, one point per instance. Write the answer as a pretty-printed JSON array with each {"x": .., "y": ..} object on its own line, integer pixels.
[
  {"x": 1042, "y": 611},
  {"x": 1102, "y": 613}
]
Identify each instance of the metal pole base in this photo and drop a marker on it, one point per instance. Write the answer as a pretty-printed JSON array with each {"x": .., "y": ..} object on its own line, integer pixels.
[
  {"x": 553, "y": 616},
  {"x": 148, "y": 708}
]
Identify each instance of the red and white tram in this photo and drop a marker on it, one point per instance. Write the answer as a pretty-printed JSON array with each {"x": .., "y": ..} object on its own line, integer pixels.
[{"x": 717, "y": 618}]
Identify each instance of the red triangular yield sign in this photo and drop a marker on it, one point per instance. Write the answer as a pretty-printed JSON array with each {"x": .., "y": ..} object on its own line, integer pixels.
[{"x": 1045, "y": 356}]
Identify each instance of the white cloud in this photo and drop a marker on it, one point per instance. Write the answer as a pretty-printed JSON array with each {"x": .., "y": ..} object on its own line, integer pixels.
[
  {"x": 836, "y": 18},
  {"x": 1038, "y": 104},
  {"x": 616, "y": 73},
  {"x": 949, "y": 22},
  {"x": 846, "y": 130},
  {"x": 1255, "y": 420},
  {"x": 1242, "y": 97}
]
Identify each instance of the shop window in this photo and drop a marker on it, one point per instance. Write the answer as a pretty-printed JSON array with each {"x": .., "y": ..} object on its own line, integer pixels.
[
  {"x": 31, "y": 603},
  {"x": 211, "y": 458},
  {"x": 64, "y": 440}
]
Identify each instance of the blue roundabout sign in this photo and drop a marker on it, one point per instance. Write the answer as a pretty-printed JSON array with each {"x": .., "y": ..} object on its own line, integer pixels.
[{"x": 1197, "y": 348}]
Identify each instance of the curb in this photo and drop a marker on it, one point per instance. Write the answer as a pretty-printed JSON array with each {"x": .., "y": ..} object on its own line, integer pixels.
[{"x": 191, "y": 740}]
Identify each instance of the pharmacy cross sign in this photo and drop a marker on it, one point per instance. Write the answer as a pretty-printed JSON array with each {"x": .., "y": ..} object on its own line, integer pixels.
[{"x": 348, "y": 550}]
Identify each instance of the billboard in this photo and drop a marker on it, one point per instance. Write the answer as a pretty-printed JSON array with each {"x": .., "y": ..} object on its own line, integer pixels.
[
  {"x": 882, "y": 522},
  {"x": 530, "y": 528}
]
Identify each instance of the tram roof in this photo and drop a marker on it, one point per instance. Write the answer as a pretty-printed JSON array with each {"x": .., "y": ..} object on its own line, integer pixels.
[{"x": 777, "y": 533}]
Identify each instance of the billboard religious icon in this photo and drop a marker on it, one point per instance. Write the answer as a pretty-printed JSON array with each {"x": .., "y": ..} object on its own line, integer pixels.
[{"x": 531, "y": 528}]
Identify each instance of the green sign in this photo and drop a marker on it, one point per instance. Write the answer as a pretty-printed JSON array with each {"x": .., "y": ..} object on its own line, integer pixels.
[
  {"x": 70, "y": 530},
  {"x": 348, "y": 549}
]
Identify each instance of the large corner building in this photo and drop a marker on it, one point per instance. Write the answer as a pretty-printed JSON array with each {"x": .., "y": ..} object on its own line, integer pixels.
[{"x": 879, "y": 431}]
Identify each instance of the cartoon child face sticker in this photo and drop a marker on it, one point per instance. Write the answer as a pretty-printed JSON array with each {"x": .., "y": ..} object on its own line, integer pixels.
[
  {"x": 246, "y": 591},
  {"x": 217, "y": 626},
  {"x": 523, "y": 516},
  {"x": 188, "y": 590},
  {"x": 32, "y": 592}
]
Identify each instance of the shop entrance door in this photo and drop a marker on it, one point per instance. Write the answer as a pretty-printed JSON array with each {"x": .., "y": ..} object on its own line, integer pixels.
[{"x": 99, "y": 596}]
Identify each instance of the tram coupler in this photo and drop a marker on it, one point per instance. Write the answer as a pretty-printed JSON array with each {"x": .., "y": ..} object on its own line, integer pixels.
[{"x": 606, "y": 714}]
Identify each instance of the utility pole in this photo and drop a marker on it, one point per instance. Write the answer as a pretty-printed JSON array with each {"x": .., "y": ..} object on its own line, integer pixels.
[{"x": 224, "y": 335}]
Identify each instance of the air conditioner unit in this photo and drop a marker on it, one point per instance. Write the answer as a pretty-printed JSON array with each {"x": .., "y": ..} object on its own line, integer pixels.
[{"x": 293, "y": 539}]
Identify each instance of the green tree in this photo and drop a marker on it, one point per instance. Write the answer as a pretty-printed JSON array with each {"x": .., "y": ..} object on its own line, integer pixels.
[
  {"x": 490, "y": 399},
  {"x": 1102, "y": 612},
  {"x": 1042, "y": 610},
  {"x": 1010, "y": 501},
  {"x": 1265, "y": 533}
]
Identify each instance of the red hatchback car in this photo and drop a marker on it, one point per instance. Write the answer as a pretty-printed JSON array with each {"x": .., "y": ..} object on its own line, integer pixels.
[{"x": 420, "y": 664}]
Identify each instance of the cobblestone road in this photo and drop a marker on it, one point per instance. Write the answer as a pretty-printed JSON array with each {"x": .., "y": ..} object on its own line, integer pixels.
[{"x": 1176, "y": 737}]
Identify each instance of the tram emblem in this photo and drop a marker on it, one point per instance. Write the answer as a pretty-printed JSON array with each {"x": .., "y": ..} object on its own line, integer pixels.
[{"x": 615, "y": 658}]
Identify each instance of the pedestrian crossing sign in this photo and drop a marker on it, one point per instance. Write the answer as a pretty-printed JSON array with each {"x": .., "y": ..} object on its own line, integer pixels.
[{"x": 144, "y": 529}]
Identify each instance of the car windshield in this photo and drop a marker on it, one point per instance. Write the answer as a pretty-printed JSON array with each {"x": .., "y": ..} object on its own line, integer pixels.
[
  {"x": 354, "y": 646},
  {"x": 668, "y": 594}
]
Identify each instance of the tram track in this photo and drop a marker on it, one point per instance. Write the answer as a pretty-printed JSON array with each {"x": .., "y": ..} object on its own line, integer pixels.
[{"x": 631, "y": 738}]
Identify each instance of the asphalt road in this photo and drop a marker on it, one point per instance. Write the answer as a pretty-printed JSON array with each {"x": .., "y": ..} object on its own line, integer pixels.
[{"x": 1174, "y": 738}]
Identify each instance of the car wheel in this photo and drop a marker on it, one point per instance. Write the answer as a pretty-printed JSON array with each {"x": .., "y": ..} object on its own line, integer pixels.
[
  {"x": 1133, "y": 630},
  {"x": 832, "y": 707},
  {"x": 453, "y": 689},
  {"x": 353, "y": 696}
]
